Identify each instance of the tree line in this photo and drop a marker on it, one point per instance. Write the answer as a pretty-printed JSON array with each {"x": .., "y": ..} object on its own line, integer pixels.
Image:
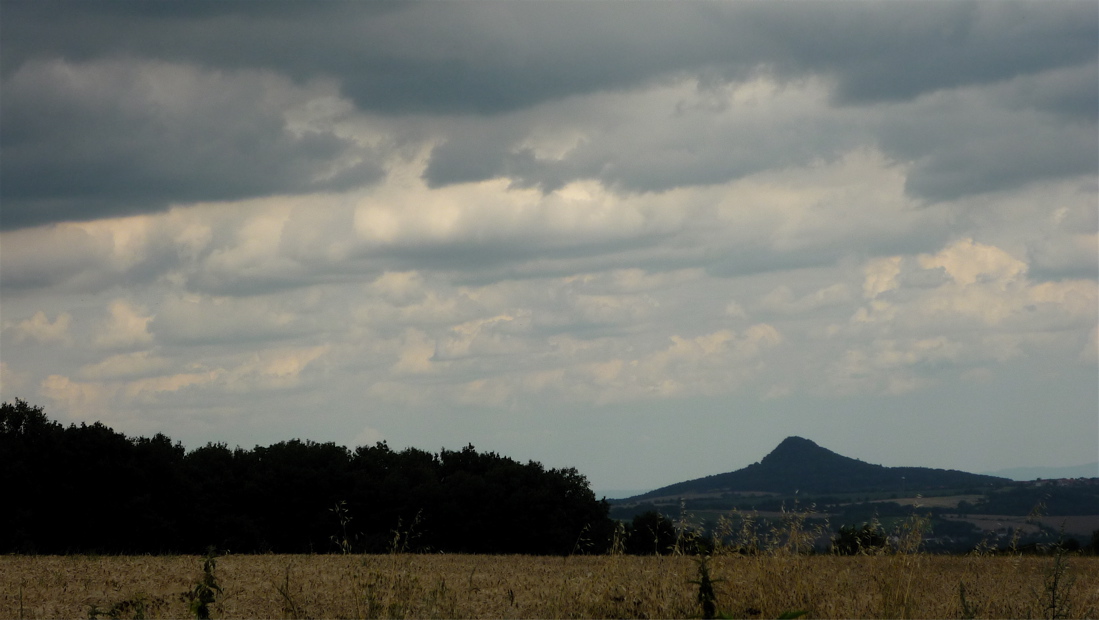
[{"x": 88, "y": 489}]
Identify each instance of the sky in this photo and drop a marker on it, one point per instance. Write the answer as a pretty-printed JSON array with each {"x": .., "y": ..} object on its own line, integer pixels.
[{"x": 648, "y": 240}]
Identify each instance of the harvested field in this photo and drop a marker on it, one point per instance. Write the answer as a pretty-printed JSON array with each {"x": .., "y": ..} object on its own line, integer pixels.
[
  {"x": 456, "y": 586},
  {"x": 1080, "y": 525},
  {"x": 944, "y": 501}
]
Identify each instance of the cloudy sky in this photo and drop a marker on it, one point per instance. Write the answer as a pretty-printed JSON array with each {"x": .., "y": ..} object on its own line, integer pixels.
[{"x": 648, "y": 240}]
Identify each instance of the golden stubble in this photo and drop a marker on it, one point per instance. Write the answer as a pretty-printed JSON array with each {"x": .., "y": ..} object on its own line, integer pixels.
[{"x": 478, "y": 586}]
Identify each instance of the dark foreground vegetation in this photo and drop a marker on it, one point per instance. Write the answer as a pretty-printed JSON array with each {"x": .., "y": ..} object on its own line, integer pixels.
[{"x": 87, "y": 488}]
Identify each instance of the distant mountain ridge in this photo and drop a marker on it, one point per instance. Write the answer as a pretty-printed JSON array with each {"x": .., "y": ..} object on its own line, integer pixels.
[
  {"x": 800, "y": 465},
  {"x": 1088, "y": 470}
]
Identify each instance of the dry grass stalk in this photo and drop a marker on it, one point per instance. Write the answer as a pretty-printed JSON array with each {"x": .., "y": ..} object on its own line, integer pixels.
[{"x": 764, "y": 585}]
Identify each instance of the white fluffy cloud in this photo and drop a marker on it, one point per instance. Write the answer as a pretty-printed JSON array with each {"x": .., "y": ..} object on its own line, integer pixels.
[
  {"x": 966, "y": 306},
  {"x": 40, "y": 329},
  {"x": 125, "y": 327}
]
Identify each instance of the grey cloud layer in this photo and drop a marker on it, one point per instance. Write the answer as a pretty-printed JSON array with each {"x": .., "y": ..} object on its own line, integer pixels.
[
  {"x": 117, "y": 137},
  {"x": 688, "y": 228},
  {"x": 87, "y": 130},
  {"x": 492, "y": 57}
]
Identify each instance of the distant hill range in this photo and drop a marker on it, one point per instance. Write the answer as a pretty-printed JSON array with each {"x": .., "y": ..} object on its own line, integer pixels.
[
  {"x": 801, "y": 466},
  {"x": 1090, "y": 470}
]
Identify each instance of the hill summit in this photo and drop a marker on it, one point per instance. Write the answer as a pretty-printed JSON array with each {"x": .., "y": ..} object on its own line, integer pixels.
[
  {"x": 799, "y": 449},
  {"x": 798, "y": 465}
]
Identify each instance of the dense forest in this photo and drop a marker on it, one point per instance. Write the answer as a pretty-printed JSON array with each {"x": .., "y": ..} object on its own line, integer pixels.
[{"x": 88, "y": 488}]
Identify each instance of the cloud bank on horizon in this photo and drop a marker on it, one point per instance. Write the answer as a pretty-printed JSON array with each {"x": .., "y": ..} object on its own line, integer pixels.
[{"x": 646, "y": 240}]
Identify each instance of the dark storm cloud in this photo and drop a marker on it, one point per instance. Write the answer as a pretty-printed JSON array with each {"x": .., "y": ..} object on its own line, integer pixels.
[
  {"x": 965, "y": 169},
  {"x": 897, "y": 51},
  {"x": 390, "y": 57},
  {"x": 494, "y": 56},
  {"x": 90, "y": 140},
  {"x": 69, "y": 158},
  {"x": 1031, "y": 58},
  {"x": 958, "y": 149}
]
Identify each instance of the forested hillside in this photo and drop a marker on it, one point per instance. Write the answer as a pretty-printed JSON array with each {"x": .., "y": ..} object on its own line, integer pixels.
[
  {"x": 800, "y": 465},
  {"x": 88, "y": 488}
]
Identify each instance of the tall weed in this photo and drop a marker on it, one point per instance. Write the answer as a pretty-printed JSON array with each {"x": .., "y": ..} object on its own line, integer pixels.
[{"x": 206, "y": 590}]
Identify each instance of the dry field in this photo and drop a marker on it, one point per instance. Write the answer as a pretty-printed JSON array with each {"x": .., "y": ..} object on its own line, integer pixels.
[
  {"x": 1081, "y": 525},
  {"x": 942, "y": 501},
  {"x": 456, "y": 586}
]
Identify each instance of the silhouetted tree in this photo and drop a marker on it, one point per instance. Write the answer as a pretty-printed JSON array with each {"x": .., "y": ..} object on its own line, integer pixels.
[
  {"x": 852, "y": 540},
  {"x": 29, "y": 445},
  {"x": 650, "y": 534},
  {"x": 88, "y": 488},
  {"x": 1092, "y": 548}
]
